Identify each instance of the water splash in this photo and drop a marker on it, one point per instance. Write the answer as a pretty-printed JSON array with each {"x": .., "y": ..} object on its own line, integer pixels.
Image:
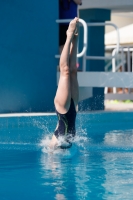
[
  {"x": 43, "y": 125},
  {"x": 78, "y": 141}
]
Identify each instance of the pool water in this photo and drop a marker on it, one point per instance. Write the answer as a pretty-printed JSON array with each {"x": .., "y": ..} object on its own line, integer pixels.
[{"x": 98, "y": 166}]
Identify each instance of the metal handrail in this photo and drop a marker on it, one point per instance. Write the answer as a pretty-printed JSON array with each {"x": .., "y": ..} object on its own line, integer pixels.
[
  {"x": 122, "y": 50},
  {"x": 84, "y": 50},
  {"x": 85, "y": 35},
  {"x": 117, "y": 46},
  {"x": 109, "y": 24}
]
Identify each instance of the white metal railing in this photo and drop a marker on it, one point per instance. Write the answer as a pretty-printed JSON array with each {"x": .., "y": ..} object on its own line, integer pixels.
[
  {"x": 117, "y": 45},
  {"x": 109, "y": 24},
  {"x": 85, "y": 38},
  {"x": 122, "y": 49},
  {"x": 115, "y": 52},
  {"x": 83, "y": 52},
  {"x": 126, "y": 53},
  {"x": 128, "y": 50}
]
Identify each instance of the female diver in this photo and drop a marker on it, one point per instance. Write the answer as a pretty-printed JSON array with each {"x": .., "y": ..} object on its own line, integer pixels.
[{"x": 66, "y": 98}]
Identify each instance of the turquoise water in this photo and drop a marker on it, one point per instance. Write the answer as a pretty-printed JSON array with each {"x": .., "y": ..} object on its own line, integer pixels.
[{"x": 98, "y": 166}]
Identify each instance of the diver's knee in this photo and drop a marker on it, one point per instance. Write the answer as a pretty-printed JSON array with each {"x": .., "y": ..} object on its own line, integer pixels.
[{"x": 65, "y": 70}]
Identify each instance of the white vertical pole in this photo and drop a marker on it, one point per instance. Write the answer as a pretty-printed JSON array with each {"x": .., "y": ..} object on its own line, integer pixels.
[
  {"x": 128, "y": 64},
  {"x": 113, "y": 67},
  {"x": 122, "y": 58}
]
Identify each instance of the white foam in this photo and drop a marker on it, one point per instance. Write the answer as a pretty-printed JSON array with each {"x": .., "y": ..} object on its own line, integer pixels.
[{"x": 78, "y": 141}]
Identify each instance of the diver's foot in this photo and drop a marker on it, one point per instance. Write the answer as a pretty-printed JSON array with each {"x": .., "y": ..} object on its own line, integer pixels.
[
  {"x": 76, "y": 32},
  {"x": 72, "y": 29}
]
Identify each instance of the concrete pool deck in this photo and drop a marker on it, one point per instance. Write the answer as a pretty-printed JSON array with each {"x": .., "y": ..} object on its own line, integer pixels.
[{"x": 119, "y": 106}]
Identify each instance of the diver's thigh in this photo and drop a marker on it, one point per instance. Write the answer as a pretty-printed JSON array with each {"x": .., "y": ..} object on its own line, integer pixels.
[{"x": 63, "y": 95}]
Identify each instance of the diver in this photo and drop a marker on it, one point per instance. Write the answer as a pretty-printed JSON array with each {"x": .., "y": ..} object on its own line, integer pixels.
[{"x": 66, "y": 98}]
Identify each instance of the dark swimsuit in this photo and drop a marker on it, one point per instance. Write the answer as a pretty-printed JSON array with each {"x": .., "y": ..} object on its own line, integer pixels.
[{"x": 66, "y": 123}]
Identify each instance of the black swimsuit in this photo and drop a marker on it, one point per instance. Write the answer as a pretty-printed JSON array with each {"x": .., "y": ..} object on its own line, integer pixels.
[{"x": 66, "y": 123}]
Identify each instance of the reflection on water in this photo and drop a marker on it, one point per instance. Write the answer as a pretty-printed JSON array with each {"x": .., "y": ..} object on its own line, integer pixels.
[
  {"x": 119, "y": 175},
  {"x": 100, "y": 170},
  {"x": 119, "y": 166},
  {"x": 58, "y": 174},
  {"x": 119, "y": 138}
]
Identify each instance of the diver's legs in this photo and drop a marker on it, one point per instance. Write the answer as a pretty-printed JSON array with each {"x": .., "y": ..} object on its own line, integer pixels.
[
  {"x": 63, "y": 95},
  {"x": 73, "y": 70}
]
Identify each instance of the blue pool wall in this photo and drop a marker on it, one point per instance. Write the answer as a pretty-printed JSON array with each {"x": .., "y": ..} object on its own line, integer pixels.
[
  {"x": 95, "y": 48},
  {"x": 28, "y": 44}
]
